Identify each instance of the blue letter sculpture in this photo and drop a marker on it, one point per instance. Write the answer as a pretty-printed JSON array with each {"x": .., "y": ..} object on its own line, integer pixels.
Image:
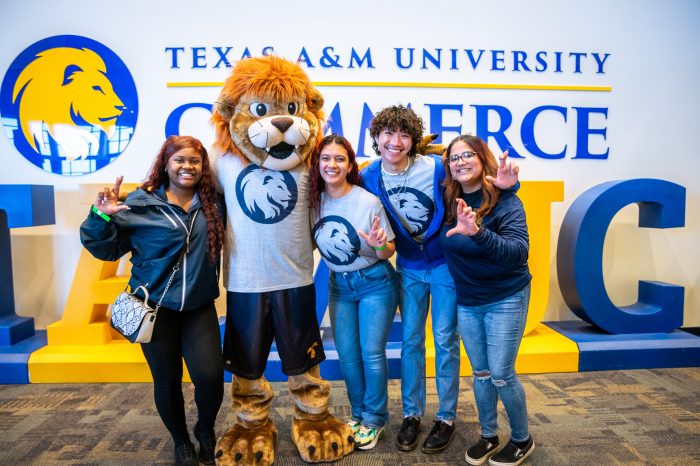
[
  {"x": 20, "y": 206},
  {"x": 580, "y": 256}
]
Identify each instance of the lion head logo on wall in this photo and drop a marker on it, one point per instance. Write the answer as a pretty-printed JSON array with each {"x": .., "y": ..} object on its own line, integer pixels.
[{"x": 69, "y": 105}]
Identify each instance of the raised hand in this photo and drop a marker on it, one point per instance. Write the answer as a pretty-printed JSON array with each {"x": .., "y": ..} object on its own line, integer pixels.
[
  {"x": 108, "y": 199},
  {"x": 466, "y": 221},
  {"x": 376, "y": 237},
  {"x": 507, "y": 174}
]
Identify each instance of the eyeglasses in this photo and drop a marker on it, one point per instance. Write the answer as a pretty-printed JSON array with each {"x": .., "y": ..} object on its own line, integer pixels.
[{"x": 464, "y": 156}]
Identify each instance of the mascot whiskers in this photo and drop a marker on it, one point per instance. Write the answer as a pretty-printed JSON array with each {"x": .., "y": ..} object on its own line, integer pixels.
[{"x": 268, "y": 121}]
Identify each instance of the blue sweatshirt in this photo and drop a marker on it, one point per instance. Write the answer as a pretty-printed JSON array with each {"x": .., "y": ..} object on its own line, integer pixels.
[
  {"x": 492, "y": 264},
  {"x": 410, "y": 253}
]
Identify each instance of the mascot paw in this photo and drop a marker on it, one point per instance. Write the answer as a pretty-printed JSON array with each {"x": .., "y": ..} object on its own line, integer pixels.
[
  {"x": 323, "y": 440},
  {"x": 242, "y": 446}
]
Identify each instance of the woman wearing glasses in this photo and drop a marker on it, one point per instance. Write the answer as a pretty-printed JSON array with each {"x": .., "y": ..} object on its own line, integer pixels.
[{"x": 485, "y": 242}]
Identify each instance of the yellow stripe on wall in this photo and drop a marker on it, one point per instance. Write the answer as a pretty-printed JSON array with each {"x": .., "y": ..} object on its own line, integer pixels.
[{"x": 517, "y": 87}]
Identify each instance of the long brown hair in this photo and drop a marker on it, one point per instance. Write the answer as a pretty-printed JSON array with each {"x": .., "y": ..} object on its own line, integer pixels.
[
  {"x": 453, "y": 190},
  {"x": 316, "y": 183},
  {"x": 205, "y": 188}
]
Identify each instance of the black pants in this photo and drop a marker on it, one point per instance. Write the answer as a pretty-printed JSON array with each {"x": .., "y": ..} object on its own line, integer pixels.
[{"x": 194, "y": 336}]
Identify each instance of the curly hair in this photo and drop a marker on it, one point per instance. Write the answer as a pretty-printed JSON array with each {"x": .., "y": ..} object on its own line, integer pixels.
[
  {"x": 316, "y": 183},
  {"x": 397, "y": 117},
  {"x": 453, "y": 189},
  {"x": 205, "y": 188}
]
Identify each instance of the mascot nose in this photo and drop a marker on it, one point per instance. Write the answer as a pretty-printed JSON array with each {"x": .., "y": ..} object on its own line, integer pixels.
[{"x": 282, "y": 123}]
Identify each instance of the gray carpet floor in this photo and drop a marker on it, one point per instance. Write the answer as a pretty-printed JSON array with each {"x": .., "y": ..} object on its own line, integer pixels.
[{"x": 637, "y": 417}]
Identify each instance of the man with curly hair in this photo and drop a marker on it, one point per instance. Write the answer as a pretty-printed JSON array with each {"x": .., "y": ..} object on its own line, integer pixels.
[{"x": 410, "y": 187}]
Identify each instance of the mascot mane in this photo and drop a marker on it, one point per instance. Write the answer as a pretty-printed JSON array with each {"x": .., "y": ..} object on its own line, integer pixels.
[{"x": 270, "y": 77}]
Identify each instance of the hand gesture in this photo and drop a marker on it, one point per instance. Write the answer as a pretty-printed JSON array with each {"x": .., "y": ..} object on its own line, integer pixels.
[
  {"x": 108, "y": 200},
  {"x": 376, "y": 237},
  {"x": 507, "y": 174},
  {"x": 466, "y": 221}
]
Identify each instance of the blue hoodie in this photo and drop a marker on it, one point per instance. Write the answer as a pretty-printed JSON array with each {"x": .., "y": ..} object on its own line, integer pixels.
[{"x": 411, "y": 254}]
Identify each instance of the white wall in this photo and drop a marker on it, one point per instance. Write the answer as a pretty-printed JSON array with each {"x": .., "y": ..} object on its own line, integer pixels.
[{"x": 653, "y": 108}]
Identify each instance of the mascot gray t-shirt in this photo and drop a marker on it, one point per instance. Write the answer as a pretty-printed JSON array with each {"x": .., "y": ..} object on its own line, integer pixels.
[
  {"x": 335, "y": 232},
  {"x": 411, "y": 195},
  {"x": 264, "y": 206}
]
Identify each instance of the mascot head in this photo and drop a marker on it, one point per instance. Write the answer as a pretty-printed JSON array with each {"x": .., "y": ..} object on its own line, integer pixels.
[
  {"x": 64, "y": 88},
  {"x": 268, "y": 113}
]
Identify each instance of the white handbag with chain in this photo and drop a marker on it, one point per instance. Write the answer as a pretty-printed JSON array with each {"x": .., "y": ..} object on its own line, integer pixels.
[{"x": 133, "y": 317}]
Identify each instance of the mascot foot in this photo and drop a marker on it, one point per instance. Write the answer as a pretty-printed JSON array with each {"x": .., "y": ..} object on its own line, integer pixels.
[
  {"x": 322, "y": 440},
  {"x": 243, "y": 446}
]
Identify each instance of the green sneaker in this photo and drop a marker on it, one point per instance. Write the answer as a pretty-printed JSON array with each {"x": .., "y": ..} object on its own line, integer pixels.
[
  {"x": 354, "y": 426},
  {"x": 367, "y": 437}
]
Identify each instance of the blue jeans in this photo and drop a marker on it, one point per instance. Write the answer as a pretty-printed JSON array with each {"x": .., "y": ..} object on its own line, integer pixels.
[
  {"x": 491, "y": 334},
  {"x": 362, "y": 305},
  {"x": 417, "y": 287}
]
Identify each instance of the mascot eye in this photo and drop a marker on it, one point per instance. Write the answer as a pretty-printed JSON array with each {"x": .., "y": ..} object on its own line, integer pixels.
[
  {"x": 292, "y": 108},
  {"x": 98, "y": 89},
  {"x": 259, "y": 109}
]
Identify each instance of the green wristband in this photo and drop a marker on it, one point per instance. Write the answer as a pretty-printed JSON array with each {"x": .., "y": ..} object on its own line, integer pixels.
[
  {"x": 103, "y": 215},
  {"x": 381, "y": 249}
]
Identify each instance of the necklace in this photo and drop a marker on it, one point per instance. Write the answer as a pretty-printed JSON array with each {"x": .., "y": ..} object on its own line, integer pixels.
[
  {"x": 394, "y": 192},
  {"x": 402, "y": 172}
]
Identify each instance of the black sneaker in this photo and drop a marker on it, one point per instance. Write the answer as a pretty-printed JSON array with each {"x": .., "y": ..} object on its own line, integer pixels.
[
  {"x": 511, "y": 455},
  {"x": 207, "y": 444},
  {"x": 480, "y": 452},
  {"x": 185, "y": 454},
  {"x": 439, "y": 437},
  {"x": 407, "y": 438}
]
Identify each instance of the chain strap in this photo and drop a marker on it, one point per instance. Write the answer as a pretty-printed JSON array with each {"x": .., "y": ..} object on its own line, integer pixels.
[
  {"x": 172, "y": 275},
  {"x": 177, "y": 264}
]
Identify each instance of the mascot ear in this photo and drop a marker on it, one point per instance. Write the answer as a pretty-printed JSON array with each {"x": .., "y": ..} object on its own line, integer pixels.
[
  {"x": 314, "y": 100},
  {"x": 225, "y": 106},
  {"x": 425, "y": 145}
]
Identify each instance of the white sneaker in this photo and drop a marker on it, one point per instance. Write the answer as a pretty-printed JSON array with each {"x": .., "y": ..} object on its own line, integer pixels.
[
  {"x": 367, "y": 437},
  {"x": 354, "y": 426}
]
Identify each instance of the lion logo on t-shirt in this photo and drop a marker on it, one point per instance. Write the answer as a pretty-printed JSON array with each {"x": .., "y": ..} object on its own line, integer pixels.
[
  {"x": 266, "y": 196},
  {"x": 337, "y": 240},
  {"x": 415, "y": 208}
]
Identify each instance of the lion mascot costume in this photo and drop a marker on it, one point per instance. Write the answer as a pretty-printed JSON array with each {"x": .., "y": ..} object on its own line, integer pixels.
[{"x": 268, "y": 121}]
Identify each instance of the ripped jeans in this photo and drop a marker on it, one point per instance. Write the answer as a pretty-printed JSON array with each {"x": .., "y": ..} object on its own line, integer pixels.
[{"x": 491, "y": 334}]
